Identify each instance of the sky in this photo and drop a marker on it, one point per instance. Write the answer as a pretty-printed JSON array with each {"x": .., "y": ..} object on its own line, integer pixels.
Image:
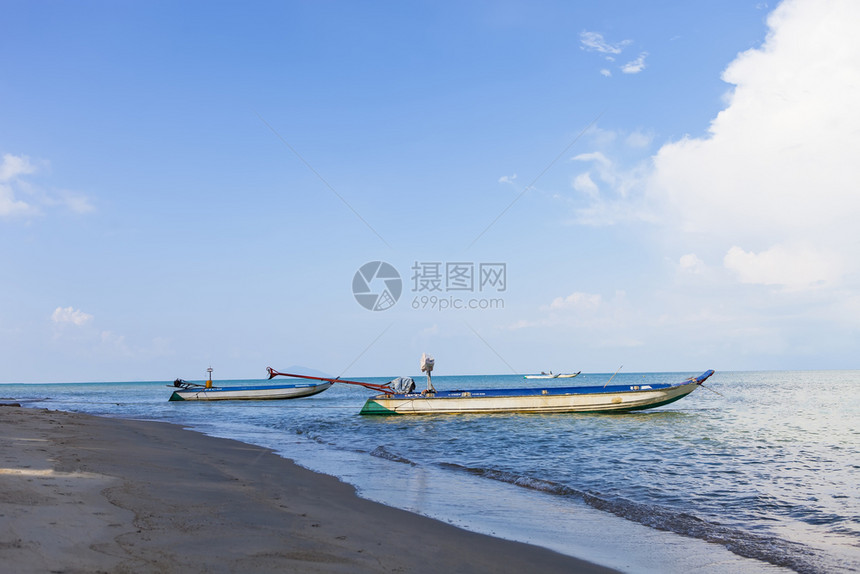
[{"x": 663, "y": 186}]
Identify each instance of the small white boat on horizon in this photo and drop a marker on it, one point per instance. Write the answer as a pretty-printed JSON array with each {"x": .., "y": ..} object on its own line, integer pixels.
[{"x": 550, "y": 375}]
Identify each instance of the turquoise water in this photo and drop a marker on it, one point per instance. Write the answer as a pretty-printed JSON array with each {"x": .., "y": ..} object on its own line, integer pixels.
[{"x": 760, "y": 476}]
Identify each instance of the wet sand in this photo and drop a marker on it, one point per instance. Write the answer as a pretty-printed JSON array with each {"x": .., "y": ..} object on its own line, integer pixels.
[{"x": 89, "y": 494}]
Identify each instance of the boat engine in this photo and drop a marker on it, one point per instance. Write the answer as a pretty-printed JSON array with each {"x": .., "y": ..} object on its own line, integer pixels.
[{"x": 427, "y": 363}]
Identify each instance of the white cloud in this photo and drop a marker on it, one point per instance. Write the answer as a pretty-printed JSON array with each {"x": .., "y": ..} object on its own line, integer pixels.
[
  {"x": 611, "y": 190},
  {"x": 690, "y": 263},
  {"x": 798, "y": 268},
  {"x": 576, "y": 300},
  {"x": 431, "y": 330},
  {"x": 116, "y": 344},
  {"x": 523, "y": 324},
  {"x": 508, "y": 178},
  {"x": 9, "y": 205},
  {"x": 594, "y": 42},
  {"x": 589, "y": 318},
  {"x": 596, "y": 157},
  {"x": 778, "y": 167},
  {"x": 639, "y": 139},
  {"x": 70, "y": 315},
  {"x": 635, "y": 66},
  {"x": 13, "y": 167},
  {"x": 71, "y": 201},
  {"x": 584, "y": 184},
  {"x": 18, "y": 197}
]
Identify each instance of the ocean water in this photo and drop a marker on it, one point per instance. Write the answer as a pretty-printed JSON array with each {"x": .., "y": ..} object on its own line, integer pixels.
[{"x": 759, "y": 473}]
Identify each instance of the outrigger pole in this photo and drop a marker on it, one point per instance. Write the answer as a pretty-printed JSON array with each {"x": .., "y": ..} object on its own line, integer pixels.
[{"x": 381, "y": 388}]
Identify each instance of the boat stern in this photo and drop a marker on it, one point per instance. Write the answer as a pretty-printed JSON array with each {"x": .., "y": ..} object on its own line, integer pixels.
[{"x": 373, "y": 407}]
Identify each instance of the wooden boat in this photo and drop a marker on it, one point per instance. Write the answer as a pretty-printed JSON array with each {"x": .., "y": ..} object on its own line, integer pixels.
[
  {"x": 591, "y": 399},
  {"x": 550, "y": 375},
  {"x": 194, "y": 392}
]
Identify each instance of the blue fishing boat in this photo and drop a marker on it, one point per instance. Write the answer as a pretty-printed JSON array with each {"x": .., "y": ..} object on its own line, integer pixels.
[{"x": 591, "y": 399}]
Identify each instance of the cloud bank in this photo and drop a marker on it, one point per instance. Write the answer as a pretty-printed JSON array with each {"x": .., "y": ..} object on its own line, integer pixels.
[
  {"x": 776, "y": 180},
  {"x": 754, "y": 225}
]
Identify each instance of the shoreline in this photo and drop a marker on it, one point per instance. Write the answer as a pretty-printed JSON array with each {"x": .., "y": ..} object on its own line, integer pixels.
[{"x": 84, "y": 493}]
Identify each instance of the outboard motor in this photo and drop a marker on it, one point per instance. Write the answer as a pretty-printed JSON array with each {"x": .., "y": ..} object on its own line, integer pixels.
[{"x": 427, "y": 363}]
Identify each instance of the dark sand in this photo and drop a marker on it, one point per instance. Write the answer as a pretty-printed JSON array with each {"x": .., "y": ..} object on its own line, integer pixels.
[{"x": 89, "y": 494}]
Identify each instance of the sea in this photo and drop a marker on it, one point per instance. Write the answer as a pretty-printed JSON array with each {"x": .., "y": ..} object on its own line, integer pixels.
[{"x": 754, "y": 472}]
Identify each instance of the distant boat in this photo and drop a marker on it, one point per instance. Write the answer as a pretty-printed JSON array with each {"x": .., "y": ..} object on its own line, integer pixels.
[
  {"x": 195, "y": 392},
  {"x": 550, "y": 375},
  {"x": 592, "y": 399}
]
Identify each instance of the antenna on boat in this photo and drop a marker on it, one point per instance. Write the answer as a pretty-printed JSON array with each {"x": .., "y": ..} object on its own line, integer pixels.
[
  {"x": 613, "y": 376},
  {"x": 209, "y": 380},
  {"x": 427, "y": 363}
]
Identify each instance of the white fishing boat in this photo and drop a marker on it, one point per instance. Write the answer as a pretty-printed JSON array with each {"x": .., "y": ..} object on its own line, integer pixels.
[
  {"x": 193, "y": 392},
  {"x": 551, "y": 375},
  {"x": 208, "y": 392}
]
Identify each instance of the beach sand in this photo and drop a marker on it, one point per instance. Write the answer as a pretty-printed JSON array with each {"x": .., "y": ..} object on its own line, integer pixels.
[{"x": 89, "y": 494}]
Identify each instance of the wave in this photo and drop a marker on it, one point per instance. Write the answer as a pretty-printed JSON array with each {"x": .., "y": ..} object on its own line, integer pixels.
[
  {"x": 381, "y": 452},
  {"x": 769, "y": 549}
]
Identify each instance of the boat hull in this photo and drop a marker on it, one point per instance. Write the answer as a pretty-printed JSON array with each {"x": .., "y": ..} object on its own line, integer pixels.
[
  {"x": 616, "y": 398},
  {"x": 269, "y": 392}
]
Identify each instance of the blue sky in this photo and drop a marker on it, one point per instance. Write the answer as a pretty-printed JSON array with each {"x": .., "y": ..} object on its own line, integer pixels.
[{"x": 670, "y": 186}]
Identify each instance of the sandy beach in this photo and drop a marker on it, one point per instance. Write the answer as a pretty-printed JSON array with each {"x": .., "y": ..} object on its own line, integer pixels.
[{"x": 90, "y": 494}]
